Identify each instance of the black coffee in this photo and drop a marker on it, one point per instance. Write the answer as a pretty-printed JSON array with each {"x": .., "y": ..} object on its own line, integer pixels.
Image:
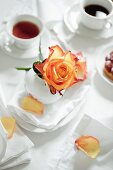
[{"x": 94, "y": 9}]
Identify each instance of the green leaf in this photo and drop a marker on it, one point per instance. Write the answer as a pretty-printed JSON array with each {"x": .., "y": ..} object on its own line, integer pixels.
[{"x": 23, "y": 68}]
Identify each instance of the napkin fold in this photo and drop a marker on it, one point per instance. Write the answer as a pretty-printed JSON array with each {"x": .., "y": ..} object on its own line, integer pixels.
[
  {"x": 68, "y": 157},
  {"x": 22, "y": 159},
  {"x": 18, "y": 147}
]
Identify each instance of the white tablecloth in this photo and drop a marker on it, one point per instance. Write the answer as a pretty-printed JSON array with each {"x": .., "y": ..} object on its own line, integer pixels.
[{"x": 100, "y": 100}]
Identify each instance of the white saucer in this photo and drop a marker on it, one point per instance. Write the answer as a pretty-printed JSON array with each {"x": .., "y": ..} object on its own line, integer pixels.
[
  {"x": 100, "y": 64},
  {"x": 72, "y": 21},
  {"x": 8, "y": 47}
]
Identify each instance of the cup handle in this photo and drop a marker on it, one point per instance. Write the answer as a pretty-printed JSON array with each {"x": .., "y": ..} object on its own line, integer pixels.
[
  {"x": 7, "y": 41},
  {"x": 108, "y": 24}
]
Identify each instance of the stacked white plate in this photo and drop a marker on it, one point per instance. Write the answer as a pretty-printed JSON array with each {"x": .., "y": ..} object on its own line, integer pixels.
[{"x": 56, "y": 114}]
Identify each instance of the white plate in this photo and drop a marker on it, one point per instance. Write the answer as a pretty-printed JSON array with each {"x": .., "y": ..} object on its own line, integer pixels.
[
  {"x": 72, "y": 21},
  {"x": 49, "y": 121},
  {"x": 100, "y": 64},
  {"x": 8, "y": 47},
  {"x": 52, "y": 115},
  {"x": 29, "y": 127}
]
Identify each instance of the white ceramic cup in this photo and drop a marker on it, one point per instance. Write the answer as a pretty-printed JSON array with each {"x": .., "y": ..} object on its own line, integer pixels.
[
  {"x": 20, "y": 42},
  {"x": 37, "y": 88},
  {"x": 96, "y": 22}
]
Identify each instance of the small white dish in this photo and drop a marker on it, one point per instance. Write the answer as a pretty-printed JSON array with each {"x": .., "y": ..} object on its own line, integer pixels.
[
  {"x": 72, "y": 22},
  {"x": 100, "y": 62},
  {"x": 8, "y": 46}
]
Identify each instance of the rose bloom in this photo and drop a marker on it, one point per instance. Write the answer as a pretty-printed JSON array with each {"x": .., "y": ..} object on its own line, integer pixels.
[{"x": 61, "y": 70}]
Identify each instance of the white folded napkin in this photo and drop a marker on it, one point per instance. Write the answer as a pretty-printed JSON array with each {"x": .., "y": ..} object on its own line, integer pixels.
[
  {"x": 55, "y": 112},
  {"x": 22, "y": 159},
  {"x": 68, "y": 157},
  {"x": 18, "y": 147}
]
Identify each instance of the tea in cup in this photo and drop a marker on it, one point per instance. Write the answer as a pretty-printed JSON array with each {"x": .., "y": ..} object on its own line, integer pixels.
[
  {"x": 96, "y": 14},
  {"x": 25, "y": 30}
]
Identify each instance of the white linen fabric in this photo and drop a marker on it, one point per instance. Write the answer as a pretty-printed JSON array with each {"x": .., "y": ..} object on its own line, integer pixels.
[
  {"x": 22, "y": 7},
  {"x": 68, "y": 157},
  {"x": 9, "y": 79},
  {"x": 54, "y": 10},
  {"x": 22, "y": 159},
  {"x": 18, "y": 147}
]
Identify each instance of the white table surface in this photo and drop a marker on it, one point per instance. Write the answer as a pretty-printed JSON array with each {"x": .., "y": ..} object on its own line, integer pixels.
[{"x": 99, "y": 103}]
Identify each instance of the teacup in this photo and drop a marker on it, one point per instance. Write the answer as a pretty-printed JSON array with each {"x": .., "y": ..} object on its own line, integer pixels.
[
  {"x": 25, "y": 30},
  {"x": 96, "y": 14}
]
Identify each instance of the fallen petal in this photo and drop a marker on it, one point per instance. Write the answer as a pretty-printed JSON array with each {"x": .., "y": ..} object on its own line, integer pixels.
[
  {"x": 89, "y": 145},
  {"x": 9, "y": 124}
]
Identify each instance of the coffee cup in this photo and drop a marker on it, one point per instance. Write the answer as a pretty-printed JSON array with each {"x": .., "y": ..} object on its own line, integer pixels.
[
  {"x": 25, "y": 30},
  {"x": 96, "y": 14}
]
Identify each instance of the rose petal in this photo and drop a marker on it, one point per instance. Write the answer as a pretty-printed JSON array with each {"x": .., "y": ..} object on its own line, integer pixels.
[
  {"x": 89, "y": 145},
  {"x": 9, "y": 124},
  {"x": 55, "y": 53},
  {"x": 40, "y": 66},
  {"x": 50, "y": 71},
  {"x": 59, "y": 84},
  {"x": 63, "y": 69},
  {"x": 79, "y": 55},
  {"x": 69, "y": 57},
  {"x": 80, "y": 70}
]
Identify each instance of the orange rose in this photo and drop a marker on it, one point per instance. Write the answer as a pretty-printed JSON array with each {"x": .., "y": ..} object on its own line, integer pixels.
[{"x": 61, "y": 70}]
